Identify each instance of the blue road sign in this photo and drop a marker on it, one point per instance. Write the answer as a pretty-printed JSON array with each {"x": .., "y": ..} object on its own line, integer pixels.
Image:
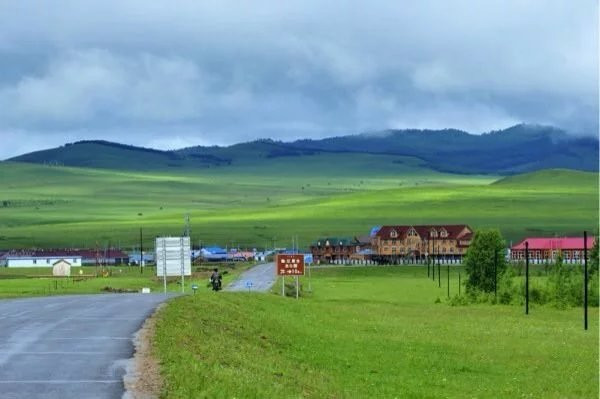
[{"x": 248, "y": 284}]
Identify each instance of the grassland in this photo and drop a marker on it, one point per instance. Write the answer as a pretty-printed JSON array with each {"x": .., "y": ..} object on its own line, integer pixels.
[
  {"x": 372, "y": 332},
  {"x": 27, "y": 282},
  {"x": 262, "y": 204}
]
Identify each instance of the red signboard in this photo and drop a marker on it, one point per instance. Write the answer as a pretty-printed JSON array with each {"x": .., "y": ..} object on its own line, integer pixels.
[{"x": 290, "y": 265}]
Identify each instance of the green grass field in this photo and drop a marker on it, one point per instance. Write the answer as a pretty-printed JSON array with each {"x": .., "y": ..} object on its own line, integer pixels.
[
  {"x": 27, "y": 282},
  {"x": 262, "y": 204},
  {"x": 372, "y": 333}
]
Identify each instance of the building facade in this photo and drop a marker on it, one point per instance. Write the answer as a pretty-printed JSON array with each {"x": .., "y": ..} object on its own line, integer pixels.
[
  {"x": 40, "y": 261},
  {"x": 334, "y": 249},
  {"x": 543, "y": 249},
  {"x": 418, "y": 243}
]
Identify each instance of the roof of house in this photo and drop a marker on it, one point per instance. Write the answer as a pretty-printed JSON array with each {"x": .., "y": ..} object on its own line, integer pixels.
[
  {"x": 214, "y": 250},
  {"x": 68, "y": 253},
  {"x": 374, "y": 231},
  {"x": 60, "y": 257},
  {"x": 363, "y": 240},
  {"x": 536, "y": 243},
  {"x": 455, "y": 231}
]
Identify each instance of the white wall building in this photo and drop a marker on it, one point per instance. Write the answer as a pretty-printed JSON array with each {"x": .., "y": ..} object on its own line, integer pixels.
[{"x": 40, "y": 261}]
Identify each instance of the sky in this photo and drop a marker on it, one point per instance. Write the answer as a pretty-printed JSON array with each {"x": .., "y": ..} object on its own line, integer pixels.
[{"x": 171, "y": 74}]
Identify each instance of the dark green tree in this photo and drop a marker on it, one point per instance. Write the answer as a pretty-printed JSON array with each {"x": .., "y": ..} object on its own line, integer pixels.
[
  {"x": 593, "y": 258},
  {"x": 594, "y": 288},
  {"x": 479, "y": 260}
]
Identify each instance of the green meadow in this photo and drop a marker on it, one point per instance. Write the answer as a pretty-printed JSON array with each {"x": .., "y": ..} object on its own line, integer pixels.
[
  {"x": 263, "y": 204},
  {"x": 372, "y": 332},
  {"x": 38, "y": 281}
]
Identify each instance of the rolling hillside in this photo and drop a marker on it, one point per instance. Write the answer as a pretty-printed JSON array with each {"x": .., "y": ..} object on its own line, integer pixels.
[
  {"x": 521, "y": 148},
  {"x": 107, "y": 155},
  {"x": 265, "y": 204}
]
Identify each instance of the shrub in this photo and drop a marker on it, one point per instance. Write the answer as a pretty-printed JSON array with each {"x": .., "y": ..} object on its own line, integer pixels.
[{"x": 487, "y": 247}]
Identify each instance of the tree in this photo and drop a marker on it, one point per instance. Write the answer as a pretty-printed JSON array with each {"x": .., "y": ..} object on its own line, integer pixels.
[
  {"x": 479, "y": 260},
  {"x": 593, "y": 258}
]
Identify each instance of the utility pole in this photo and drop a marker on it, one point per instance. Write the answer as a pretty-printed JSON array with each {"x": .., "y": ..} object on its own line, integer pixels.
[
  {"x": 448, "y": 270},
  {"x": 141, "y": 253},
  {"x": 427, "y": 255},
  {"x": 186, "y": 231},
  {"x": 439, "y": 272},
  {"x": 496, "y": 274},
  {"x": 585, "y": 282},
  {"x": 526, "y": 277},
  {"x": 433, "y": 260}
]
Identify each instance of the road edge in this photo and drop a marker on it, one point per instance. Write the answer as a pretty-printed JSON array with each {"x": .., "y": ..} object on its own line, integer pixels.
[{"x": 142, "y": 379}]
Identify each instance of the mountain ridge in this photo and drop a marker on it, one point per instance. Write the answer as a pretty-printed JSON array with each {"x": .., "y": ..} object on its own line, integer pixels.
[{"x": 517, "y": 149}]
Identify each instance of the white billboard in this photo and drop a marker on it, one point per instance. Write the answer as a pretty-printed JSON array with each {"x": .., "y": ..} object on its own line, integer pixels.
[{"x": 173, "y": 255}]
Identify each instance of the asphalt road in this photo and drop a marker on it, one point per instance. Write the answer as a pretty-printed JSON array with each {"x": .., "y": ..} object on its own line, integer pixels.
[
  {"x": 69, "y": 346},
  {"x": 262, "y": 278}
]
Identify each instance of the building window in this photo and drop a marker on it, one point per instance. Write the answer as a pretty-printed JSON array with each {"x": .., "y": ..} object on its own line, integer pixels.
[
  {"x": 35, "y": 261},
  {"x": 394, "y": 234},
  {"x": 48, "y": 261}
]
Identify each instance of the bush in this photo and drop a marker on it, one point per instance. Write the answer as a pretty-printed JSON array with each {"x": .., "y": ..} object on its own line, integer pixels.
[
  {"x": 562, "y": 288},
  {"x": 486, "y": 249},
  {"x": 457, "y": 300},
  {"x": 593, "y": 293}
]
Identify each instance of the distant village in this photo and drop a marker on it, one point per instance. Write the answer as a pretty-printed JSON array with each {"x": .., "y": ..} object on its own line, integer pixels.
[{"x": 391, "y": 244}]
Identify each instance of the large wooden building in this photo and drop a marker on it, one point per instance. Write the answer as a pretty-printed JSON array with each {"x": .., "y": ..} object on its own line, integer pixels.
[
  {"x": 398, "y": 244},
  {"x": 418, "y": 243},
  {"x": 333, "y": 249}
]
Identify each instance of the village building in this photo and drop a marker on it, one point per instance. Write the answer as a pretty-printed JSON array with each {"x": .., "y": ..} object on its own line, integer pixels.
[
  {"x": 61, "y": 268},
  {"x": 215, "y": 254},
  {"x": 26, "y": 260},
  {"x": 544, "y": 249},
  {"x": 418, "y": 243},
  {"x": 333, "y": 249},
  {"x": 148, "y": 257},
  {"x": 76, "y": 257}
]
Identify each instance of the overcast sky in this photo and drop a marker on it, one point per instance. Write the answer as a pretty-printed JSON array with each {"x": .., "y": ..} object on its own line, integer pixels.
[{"x": 168, "y": 74}]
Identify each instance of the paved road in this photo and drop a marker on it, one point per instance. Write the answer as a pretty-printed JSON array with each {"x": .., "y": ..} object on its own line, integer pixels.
[
  {"x": 262, "y": 278},
  {"x": 69, "y": 346}
]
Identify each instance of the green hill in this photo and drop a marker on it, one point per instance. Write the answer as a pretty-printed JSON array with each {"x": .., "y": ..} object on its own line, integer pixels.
[
  {"x": 521, "y": 148},
  {"x": 551, "y": 178},
  {"x": 107, "y": 155},
  {"x": 264, "y": 204}
]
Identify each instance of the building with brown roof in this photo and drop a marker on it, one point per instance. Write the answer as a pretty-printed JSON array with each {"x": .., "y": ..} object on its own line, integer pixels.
[
  {"x": 333, "y": 249},
  {"x": 417, "y": 243}
]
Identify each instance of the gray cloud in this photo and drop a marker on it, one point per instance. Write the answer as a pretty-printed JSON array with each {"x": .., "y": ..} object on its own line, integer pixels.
[{"x": 169, "y": 74}]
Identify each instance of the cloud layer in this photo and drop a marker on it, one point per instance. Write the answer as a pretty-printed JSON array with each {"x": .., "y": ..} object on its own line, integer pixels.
[{"x": 169, "y": 74}]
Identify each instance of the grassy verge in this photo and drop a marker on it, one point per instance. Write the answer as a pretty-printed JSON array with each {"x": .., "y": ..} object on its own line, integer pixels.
[
  {"x": 372, "y": 332},
  {"x": 25, "y": 282}
]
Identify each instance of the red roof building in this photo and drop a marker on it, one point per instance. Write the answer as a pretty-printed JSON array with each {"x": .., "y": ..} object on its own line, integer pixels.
[{"x": 544, "y": 248}]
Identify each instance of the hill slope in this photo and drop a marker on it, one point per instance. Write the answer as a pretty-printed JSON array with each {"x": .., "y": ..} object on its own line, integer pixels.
[
  {"x": 521, "y": 148},
  {"x": 266, "y": 204},
  {"x": 107, "y": 155}
]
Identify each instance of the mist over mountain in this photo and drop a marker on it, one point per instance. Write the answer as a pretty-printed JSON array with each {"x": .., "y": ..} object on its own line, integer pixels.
[{"x": 520, "y": 148}]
